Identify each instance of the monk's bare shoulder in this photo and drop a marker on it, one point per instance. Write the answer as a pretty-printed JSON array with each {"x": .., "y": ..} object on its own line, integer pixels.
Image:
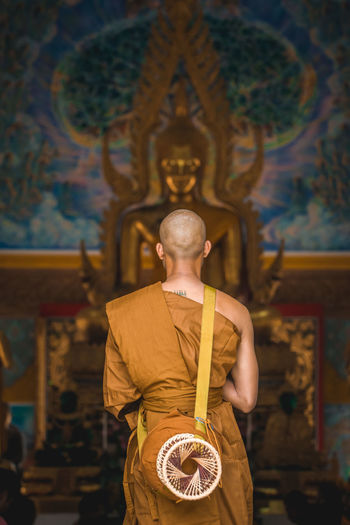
[{"x": 234, "y": 310}]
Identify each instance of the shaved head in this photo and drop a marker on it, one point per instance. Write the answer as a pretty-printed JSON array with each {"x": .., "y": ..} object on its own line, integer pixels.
[{"x": 182, "y": 234}]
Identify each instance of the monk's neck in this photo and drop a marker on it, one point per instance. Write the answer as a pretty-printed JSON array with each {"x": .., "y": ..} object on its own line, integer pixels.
[{"x": 183, "y": 269}]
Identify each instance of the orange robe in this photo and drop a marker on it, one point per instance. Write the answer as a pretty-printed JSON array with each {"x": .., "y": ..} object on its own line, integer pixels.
[{"x": 152, "y": 354}]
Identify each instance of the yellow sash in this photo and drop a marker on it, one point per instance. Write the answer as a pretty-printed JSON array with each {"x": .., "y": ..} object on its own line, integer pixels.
[{"x": 204, "y": 359}]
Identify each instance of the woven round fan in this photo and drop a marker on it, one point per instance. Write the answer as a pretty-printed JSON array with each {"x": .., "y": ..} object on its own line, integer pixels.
[{"x": 189, "y": 467}]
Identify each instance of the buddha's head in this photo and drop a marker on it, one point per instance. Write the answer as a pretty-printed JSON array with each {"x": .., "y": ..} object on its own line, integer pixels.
[{"x": 181, "y": 149}]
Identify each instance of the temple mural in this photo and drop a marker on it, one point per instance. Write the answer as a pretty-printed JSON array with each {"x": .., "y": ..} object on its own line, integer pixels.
[{"x": 77, "y": 64}]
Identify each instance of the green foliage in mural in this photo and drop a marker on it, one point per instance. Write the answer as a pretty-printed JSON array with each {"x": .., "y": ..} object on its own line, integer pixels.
[
  {"x": 97, "y": 81},
  {"x": 263, "y": 75},
  {"x": 99, "y": 78}
]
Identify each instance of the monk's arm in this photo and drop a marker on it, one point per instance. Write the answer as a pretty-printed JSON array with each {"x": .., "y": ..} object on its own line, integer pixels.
[
  {"x": 242, "y": 391},
  {"x": 120, "y": 395}
]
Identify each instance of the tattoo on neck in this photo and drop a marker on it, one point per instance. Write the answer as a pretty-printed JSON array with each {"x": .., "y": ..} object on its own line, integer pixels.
[{"x": 180, "y": 292}]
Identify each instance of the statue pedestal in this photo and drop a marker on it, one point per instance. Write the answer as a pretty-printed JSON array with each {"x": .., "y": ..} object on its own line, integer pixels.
[{"x": 59, "y": 489}]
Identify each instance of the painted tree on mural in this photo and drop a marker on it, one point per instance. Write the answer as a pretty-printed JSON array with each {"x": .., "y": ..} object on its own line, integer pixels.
[
  {"x": 24, "y": 153},
  {"x": 97, "y": 81},
  {"x": 263, "y": 75}
]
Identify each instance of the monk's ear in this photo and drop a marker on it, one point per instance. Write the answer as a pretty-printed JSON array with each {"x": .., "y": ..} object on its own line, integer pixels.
[
  {"x": 160, "y": 250},
  {"x": 207, "y": 248}
]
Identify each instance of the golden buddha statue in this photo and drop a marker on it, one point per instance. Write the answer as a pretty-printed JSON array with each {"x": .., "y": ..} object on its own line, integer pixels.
[{"x": 181, "y": 157}]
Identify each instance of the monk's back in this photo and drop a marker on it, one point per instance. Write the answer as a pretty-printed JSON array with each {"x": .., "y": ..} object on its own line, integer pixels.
[
  {"x": 163, "y": 363},
  {"x": 186, "y": 315}
]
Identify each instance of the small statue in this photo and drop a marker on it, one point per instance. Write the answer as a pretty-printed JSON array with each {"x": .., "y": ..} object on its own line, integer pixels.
[
  {"x": 68, "y": 438},
  {"x": 288, "y": 438}
]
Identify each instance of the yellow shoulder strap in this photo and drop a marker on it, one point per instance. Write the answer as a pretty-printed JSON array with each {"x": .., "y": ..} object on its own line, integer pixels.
[
  {"x": 204, "y": 360},
  {"x": 204, "y": 366}
]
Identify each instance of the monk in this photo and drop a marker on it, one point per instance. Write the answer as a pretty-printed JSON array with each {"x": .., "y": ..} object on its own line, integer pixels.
[{"x": 152, "y": 355}]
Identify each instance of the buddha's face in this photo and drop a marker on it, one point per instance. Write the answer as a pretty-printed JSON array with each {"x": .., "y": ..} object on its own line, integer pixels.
[{"x": 180, "y": 169}]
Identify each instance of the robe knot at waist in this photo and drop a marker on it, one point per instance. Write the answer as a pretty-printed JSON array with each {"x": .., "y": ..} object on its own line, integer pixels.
[{"x": 182, "y": 399}]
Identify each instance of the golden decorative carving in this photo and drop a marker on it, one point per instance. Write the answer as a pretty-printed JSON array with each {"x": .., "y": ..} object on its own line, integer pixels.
[
  {"x": 41, "y": 400},
  {"x": 287, "y": 397},
  {"x": 300, "y": 334}
]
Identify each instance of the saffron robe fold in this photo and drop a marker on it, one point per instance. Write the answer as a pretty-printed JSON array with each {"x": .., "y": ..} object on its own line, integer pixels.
[{"x": 152, "y": 354}]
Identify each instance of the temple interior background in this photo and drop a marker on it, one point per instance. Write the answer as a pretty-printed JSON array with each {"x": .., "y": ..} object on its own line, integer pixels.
[{"x": 115, "y": 113}]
